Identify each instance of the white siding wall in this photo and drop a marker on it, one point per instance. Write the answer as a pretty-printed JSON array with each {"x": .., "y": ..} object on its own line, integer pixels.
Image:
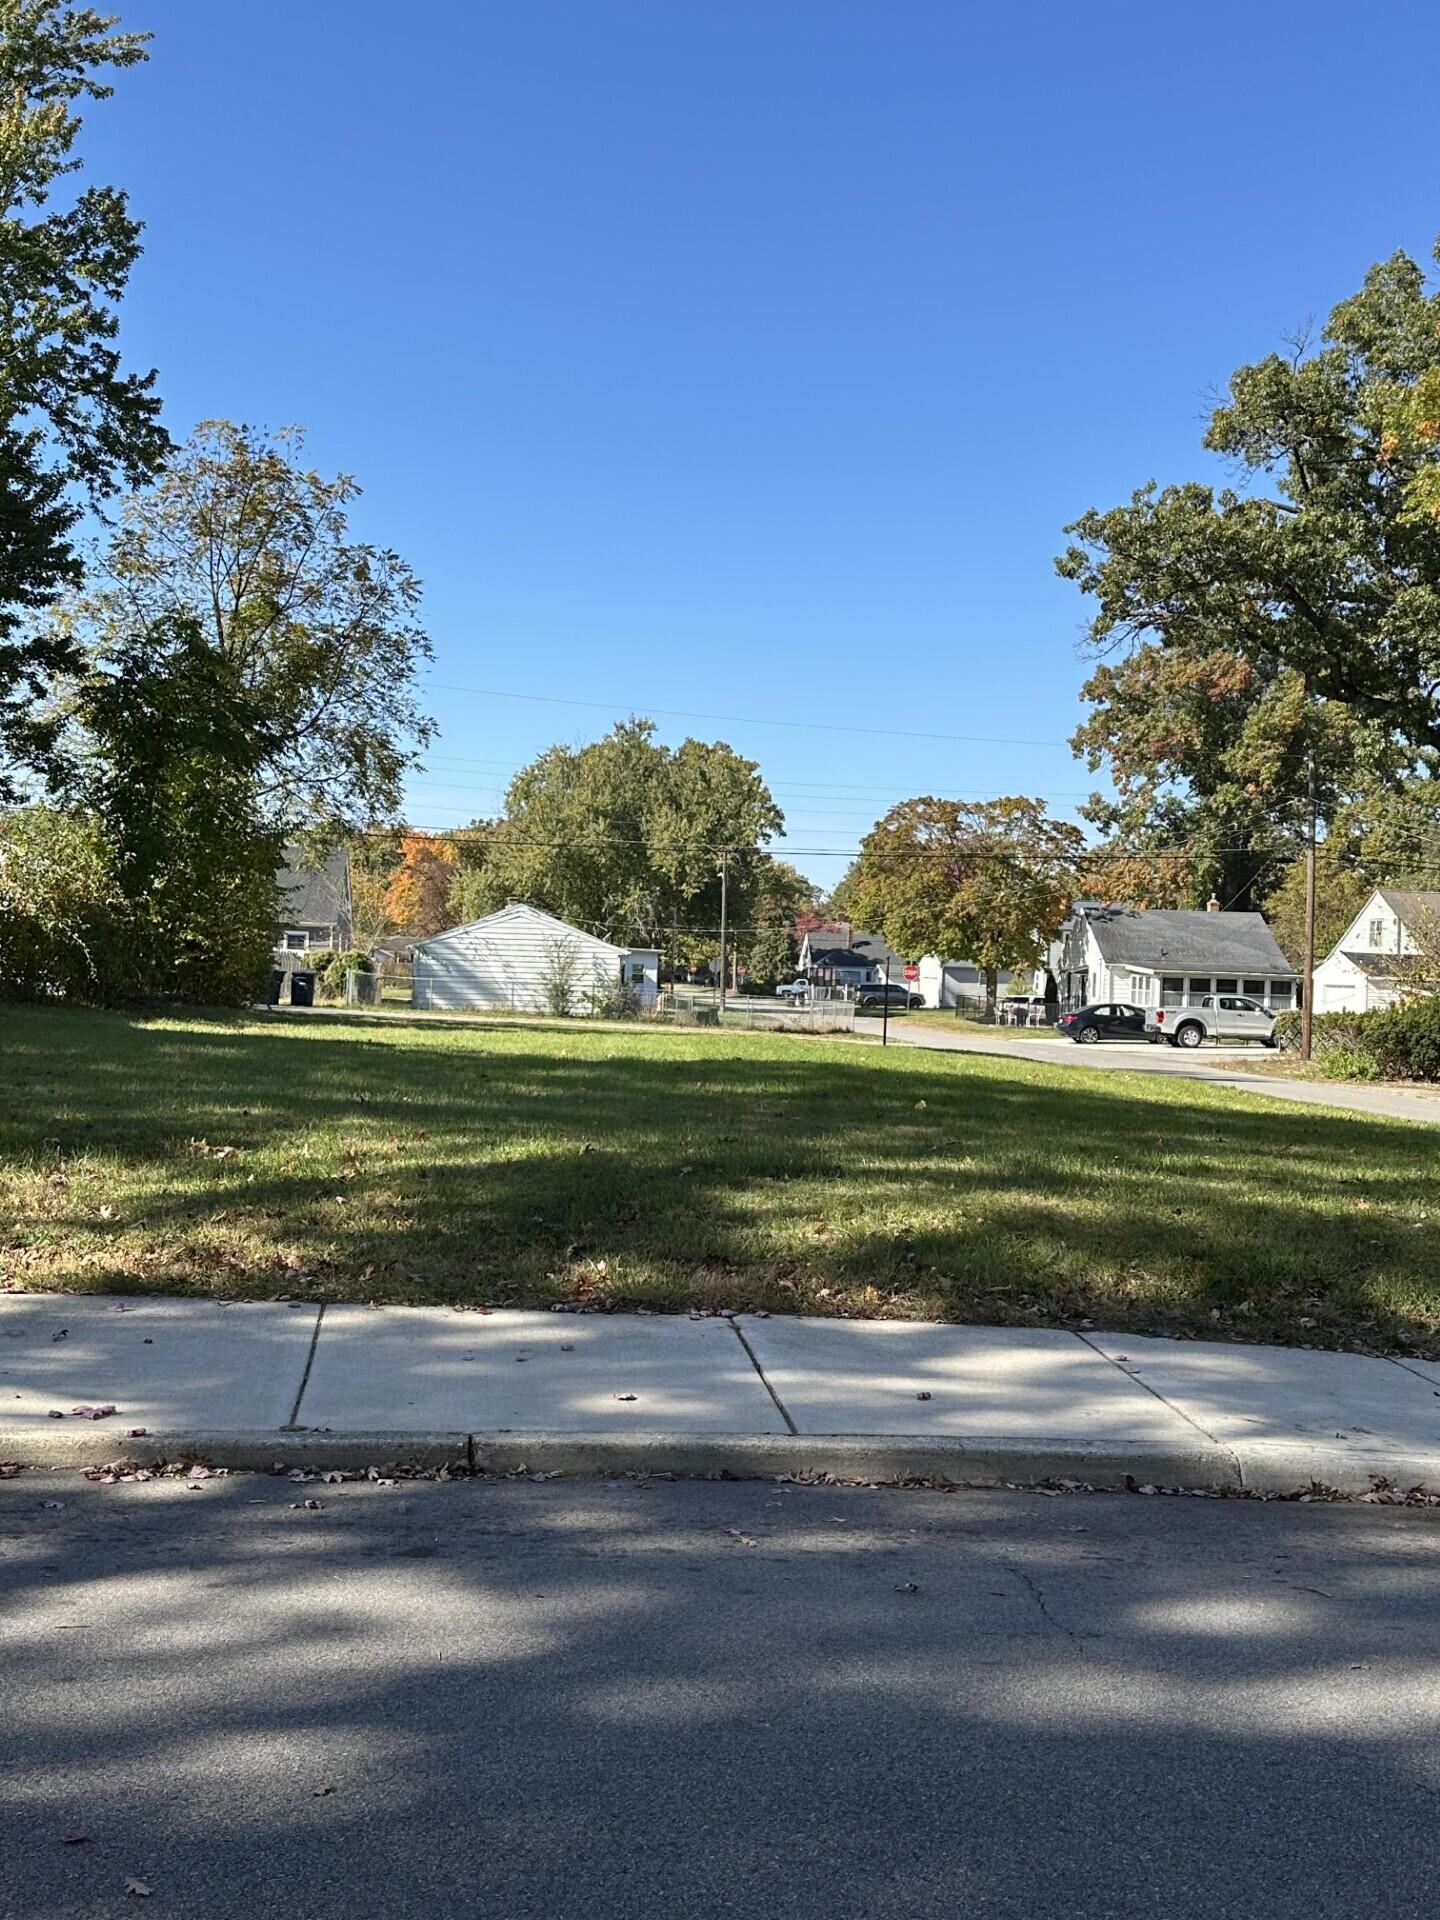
[{"x": 504, "y": 961}]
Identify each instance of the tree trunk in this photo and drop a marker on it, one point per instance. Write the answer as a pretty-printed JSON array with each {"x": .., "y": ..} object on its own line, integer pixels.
[{"x": 992, "y": 990}]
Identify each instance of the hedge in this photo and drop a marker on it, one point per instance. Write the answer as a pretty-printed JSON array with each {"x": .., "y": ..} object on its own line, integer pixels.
[{"x": 1391, "y": 1043}]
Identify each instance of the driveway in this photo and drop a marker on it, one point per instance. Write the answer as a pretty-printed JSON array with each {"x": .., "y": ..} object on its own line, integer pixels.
[{"x": 1215, "y": 1064}]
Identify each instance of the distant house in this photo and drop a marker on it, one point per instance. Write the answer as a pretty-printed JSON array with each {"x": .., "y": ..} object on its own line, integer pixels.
[
  {"x": 951, "y": 983},
  {"x": 315, "y": 908},
  {"x": 517, "y": 957},
  {"x": 836, "y": 957},
  {"x": 845, "y": 957},
  {"x": 1153, "y": 958},
  {"x": 1366, "y": 967}
]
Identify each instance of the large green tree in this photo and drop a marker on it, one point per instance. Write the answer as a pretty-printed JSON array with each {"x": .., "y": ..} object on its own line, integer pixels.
[
  {"x": 1250, "y": 636},
  {"x": 986, "y": 881},
  {"x": 176, "y": 746},
  {"x": 624, "y": 837},
  {"x": 74, "y": 426},
  {"x": 320, "y": 632}
]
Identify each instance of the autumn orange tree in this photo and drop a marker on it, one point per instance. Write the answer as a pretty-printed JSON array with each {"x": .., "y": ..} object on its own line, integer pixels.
[{"x": 417, "y": 897}]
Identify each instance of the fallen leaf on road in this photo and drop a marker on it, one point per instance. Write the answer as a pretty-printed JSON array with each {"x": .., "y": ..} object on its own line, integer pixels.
[
  {"x": 62, "y": 1333},
  {"x": 909, "y": 1586},
  {"x": 75, "y": 1840},
  {"x": 135, "y": 1433},
  {"x": 320, "y": 1792},
  {"x": 55, "y": 1506},
  {"x": 922, "y": 1396},
  {"x": 308, "y": 1506},
  {"x": 624, "y": 1396},
  {"x": 93, "y": 1413},
  {"x": 141, "y": 1887}
]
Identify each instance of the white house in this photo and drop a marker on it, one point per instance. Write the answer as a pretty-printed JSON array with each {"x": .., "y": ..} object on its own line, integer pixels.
[
  {"x": 524, "y": 959},
  {"x": 951, "y": 983},
  {"x": 1361, "y": 971},
  {"x": 1147, "y": 957}
]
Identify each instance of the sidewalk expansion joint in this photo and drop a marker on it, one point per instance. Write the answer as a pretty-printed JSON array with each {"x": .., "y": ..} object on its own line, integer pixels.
[
  {"x": 780, "y": 1406},
  {"x": 309, "y": 1363},
  {"x": 1154, "y": 1392}
]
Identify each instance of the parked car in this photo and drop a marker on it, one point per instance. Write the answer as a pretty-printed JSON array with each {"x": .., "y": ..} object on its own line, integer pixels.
[
  {"x": 1106, "y": 1020},
  {"x": 1219, "y": 1016},
  {"x": 794, "y": 990},
  {"x": 879, "y": 994}
]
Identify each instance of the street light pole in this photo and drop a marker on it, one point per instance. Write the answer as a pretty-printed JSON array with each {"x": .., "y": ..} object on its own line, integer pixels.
[
  {"x": 724, "y": 889},
  {"x": 1307, "y": 985}
]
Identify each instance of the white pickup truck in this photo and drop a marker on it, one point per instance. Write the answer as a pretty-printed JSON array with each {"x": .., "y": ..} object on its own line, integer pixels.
[
  {"x": 1219, "y": 1016},
  {"x": 794, "y": 990}
]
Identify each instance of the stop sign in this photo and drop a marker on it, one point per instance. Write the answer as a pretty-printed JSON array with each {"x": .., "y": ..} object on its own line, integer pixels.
[{"x": 912, "y": 972}]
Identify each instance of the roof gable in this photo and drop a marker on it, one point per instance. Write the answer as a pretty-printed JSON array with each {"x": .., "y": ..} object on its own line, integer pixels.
[
  {"x": 310, "y": 895},
  {"x": 517, "y": 910}
]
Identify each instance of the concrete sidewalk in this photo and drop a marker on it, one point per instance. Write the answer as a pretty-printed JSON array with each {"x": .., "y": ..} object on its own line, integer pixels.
[{"x": 257, "y": 1384}]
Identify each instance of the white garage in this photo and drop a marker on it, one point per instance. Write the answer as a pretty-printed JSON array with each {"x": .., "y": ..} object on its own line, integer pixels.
[{"x": 528, "y": 961}]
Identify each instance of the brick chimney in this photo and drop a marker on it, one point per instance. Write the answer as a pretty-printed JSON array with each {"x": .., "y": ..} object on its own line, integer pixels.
[{"x": 1212, "y": 905}]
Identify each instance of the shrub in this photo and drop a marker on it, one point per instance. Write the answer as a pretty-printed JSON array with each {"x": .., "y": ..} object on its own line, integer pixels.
[
  {"x": 1328, "y": 1032},
  {"x": 63, "y": 931},
  {"x": 330, "y": 967},
  {"x": 1390, "y": 1043},
  {"x": 1405, "y": 1039}
]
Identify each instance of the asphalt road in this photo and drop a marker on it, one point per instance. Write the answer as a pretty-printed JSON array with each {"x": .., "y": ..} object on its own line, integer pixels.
[
  {"x": 1217, "y": 1065},
  {"x": 698, "y": 1700}
]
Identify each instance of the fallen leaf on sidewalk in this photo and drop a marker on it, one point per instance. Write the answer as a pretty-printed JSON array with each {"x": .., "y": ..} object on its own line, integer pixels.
[
  {"x": 93, "y": 1413},
  {"x": 922, "y": 1396},
  {"x": 624, "y": 1396}
]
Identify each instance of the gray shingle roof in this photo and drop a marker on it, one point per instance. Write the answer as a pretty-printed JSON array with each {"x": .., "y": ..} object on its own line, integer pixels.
[
  {"x": 312, "y": 896},
  {"x": 1379, "y": 966},
  {"x": 1410, "y": 906},
  {"x": 1187, "y": 942}
]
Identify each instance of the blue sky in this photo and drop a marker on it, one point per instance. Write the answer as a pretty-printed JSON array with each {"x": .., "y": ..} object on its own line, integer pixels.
[{"x": 748, "y": 359}]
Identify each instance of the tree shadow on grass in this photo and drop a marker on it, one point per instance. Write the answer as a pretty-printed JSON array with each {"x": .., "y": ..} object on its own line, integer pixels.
[
  {"x": 683, "y": 1699},
  {"x": 401, "y": 1162}
]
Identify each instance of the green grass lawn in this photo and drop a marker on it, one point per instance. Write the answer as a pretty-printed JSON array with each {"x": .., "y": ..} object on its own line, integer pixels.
[{"x": 411, "y": 1159}]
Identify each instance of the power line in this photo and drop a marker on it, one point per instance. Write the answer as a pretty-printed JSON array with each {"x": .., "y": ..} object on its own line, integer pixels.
[{"x": 645, "y": 710}]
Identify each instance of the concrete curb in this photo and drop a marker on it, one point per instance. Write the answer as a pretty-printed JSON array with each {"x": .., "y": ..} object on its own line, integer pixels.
[{"x": 979, "y": 1460}]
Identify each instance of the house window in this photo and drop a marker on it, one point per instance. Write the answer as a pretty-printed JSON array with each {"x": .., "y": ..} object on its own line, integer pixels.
[
  {"x": 295, "y": 942},
  {"x": 1142, "y": 989},
  {"x": 1255, "y": 989},
  {"x": 1377, "y": 935},
  {"x": 1227, "y": 986},
  {"x": 1281, "y": 993},
  {"x": 1172, "y": 990},
  {"x": 1196, "y": 988}
]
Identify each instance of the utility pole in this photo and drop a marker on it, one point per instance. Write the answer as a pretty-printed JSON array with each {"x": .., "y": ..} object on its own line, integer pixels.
[
  {"x": 885, "y": 1011},
  {"x": 724, "y": 886},
  {"x": 1307, "y": 985}
]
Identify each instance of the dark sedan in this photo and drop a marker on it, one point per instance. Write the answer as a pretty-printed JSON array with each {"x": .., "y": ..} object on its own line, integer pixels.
[
  {"x": 1106, "y": 1020},
  {"x": 877, "y": 996}
]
